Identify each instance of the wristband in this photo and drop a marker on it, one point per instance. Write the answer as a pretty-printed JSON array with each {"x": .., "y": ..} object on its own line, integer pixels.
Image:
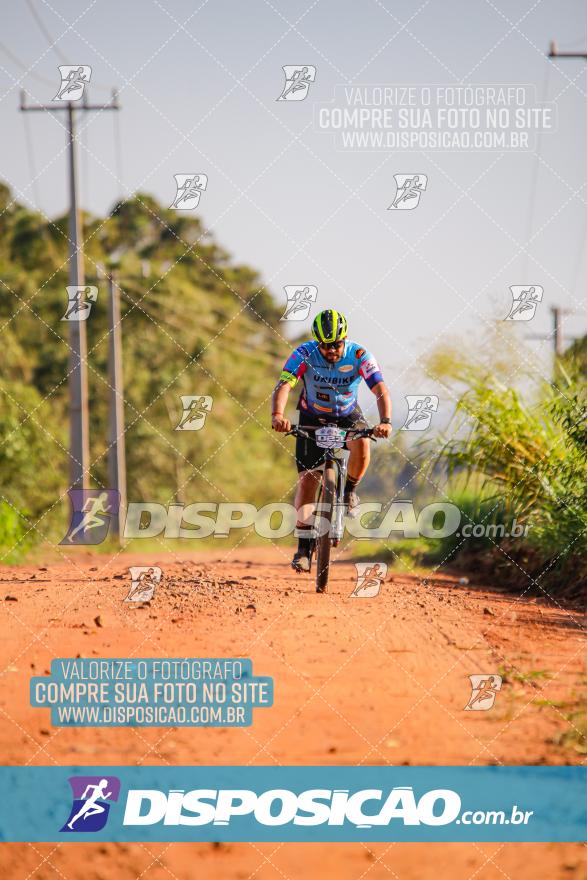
[{"x": 385, "y": 421}]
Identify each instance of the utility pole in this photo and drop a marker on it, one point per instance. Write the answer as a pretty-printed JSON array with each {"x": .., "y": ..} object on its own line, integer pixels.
[
  {"x": 79, "y": 443},
  {"x": 554, "y": 53},
  {"x": 557, "y": 312},
  {"x": 556, "y": 335},
  {"x": 116, "y": 444}
]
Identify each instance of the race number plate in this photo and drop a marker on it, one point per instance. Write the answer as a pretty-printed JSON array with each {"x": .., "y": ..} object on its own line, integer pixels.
[{"x": 330, "y": 437}]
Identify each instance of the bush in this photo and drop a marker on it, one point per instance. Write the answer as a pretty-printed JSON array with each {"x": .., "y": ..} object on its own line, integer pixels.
[{"x": 532, "y": 463}]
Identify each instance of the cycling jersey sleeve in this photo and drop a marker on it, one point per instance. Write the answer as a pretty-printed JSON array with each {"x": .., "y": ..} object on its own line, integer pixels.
[
  {"x": 295, "y": 366},
  {"x": 369, "y": 369}
]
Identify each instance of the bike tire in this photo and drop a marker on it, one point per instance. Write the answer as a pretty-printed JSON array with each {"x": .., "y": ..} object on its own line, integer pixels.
[{"x": 323, "y": 544}]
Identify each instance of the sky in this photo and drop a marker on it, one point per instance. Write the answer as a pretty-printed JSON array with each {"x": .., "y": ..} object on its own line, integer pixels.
[{"x": 198, "y": 84}]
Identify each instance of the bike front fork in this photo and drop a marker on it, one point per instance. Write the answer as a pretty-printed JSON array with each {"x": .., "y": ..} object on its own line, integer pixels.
[
  {"x": 339, "y": 511},
  {"x": 338, "y": 514}
]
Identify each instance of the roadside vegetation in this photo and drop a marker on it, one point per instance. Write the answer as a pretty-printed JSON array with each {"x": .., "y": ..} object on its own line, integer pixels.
[
  {"x": 515, "y": 451},
  {"x": 193, "y": 322}
]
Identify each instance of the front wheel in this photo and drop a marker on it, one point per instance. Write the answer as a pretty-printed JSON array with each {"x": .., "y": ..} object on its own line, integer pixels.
[{"x": 323, "y": 544}]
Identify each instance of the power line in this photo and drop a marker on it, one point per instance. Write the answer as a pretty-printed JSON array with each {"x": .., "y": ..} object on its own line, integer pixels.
[
  {"x": 31, "y": 158},
  {"x": 26, "y": 67},
  {"x": 576, "y": 43},
  {"x": 53, "y": 43},
  {"x": 45, "y": 32}
]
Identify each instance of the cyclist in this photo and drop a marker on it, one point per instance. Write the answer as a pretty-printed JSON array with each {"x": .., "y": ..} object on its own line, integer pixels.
[{"x": 331, "y": 368}]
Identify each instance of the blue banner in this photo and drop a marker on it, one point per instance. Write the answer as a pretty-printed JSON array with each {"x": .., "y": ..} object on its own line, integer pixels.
[{"x": 328, "y": 804}]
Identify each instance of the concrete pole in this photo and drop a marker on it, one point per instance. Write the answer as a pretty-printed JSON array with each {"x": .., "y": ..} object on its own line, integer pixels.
[
  {"x": 79, "y": 444},
  {"x": 116, "y": 444}
]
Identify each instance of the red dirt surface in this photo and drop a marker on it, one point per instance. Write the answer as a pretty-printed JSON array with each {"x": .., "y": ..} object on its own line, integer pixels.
[{"x": 357, "y": 681}]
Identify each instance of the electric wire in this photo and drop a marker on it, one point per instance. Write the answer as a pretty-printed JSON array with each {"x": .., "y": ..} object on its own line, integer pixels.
[{"x": 32, "y": 163}]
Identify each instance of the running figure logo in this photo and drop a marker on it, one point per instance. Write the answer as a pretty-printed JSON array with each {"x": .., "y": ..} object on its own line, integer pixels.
[
  {"x": 370, "y": 576},
  {"x": 195, "y": 412},
  {"x": 79, "y": 302},
  {"x": 421, "y": 408},
  {"x": 189, "y": 189},
  {"x": 144, "y": 582},
  {"x": 483, "y": 691},
  {"x": 90, "y": 808},
  {"x": 409, "y": 190},
  {"x": 299, "y": 299},
  {"x": 91, "y": 510},
  {"x": 524, "y": 302},
  {"x": 74, "y": 78},
  {"x": 297, "y": 82}
]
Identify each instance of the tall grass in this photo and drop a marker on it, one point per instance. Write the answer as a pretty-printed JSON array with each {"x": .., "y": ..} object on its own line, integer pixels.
[{"x": 532, "y": 460}]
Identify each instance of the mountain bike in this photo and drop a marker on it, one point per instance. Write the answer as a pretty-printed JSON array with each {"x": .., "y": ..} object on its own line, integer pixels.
[{"x": 331, "y": 509}]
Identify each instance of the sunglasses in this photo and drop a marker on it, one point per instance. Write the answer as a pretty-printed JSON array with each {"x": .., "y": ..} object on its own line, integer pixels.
[{"x": 328, "y": 345}]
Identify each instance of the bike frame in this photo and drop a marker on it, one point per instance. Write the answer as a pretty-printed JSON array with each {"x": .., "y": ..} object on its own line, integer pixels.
[{"x": 339, "y": 458}]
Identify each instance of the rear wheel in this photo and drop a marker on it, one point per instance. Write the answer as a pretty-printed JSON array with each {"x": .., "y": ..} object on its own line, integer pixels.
[{"x": 327, "y": 496}]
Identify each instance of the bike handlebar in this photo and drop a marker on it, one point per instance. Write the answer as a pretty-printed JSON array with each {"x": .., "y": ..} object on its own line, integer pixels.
[{"x": 301, "y": 431}]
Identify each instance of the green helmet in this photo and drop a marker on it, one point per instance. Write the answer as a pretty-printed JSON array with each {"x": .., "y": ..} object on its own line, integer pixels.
[{"x": 329, "y": 326}]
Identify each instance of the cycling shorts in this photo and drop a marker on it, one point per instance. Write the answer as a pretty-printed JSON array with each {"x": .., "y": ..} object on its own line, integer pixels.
[{"x": 310, "y": 456}]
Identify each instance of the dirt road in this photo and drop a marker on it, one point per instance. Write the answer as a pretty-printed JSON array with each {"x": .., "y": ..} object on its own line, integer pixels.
[{"x": 357, "y": 681}]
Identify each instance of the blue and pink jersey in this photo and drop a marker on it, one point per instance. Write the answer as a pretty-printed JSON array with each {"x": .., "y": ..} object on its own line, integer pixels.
[{"x": 330, "y": 388}]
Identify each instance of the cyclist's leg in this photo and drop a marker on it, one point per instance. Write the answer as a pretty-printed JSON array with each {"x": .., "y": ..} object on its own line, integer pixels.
[
  {"x": 305, "y": 499},
  {"x": 360, "y": 455},
  {"x": 358, "y": 463},
  {"x": 309, "y": 457},
  {"x": 359, "y": 458}
]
